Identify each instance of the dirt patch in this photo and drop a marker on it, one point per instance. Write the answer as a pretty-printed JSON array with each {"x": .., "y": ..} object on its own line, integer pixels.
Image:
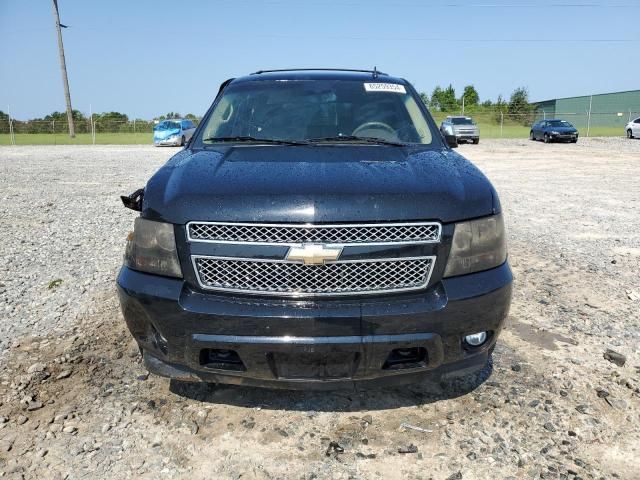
[{"x": 541, "y": 338}]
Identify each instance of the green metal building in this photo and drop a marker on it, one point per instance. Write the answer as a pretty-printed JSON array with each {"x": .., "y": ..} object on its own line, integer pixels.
[{"x": 601, "y": 111}]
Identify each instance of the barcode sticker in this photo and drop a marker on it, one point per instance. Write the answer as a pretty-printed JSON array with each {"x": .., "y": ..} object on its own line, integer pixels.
[{"x": 384, "y": 87}]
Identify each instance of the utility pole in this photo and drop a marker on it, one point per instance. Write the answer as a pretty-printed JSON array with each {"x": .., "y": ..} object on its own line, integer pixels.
[{"x": 63, "y": 67}]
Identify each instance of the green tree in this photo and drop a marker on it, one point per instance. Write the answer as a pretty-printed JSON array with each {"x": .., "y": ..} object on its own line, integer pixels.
[
  {"x": 425, "y": 98},
  {"x": 444, "y": 100},
  {"x": 4, "y": 122},
  {"x": 520, "y": 107},
  {"x": 470, "y": 96},
  {"x": 62, "y": 116},
  {"x": 448, "y": 101},
  {"x": 111, "y": 122},
  {"x": 519, "y": 102},
  {"x": 500, "y": 108},
  {"x": 58, "y": 122},
  {"x": 436, "y": 95}
]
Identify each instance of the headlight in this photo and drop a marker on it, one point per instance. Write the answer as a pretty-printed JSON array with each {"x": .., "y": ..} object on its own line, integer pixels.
[
  {"x": 477, "y": 245},
  {"x": 448, "y": 130},
  {"x": 151, "y": 248},
  {"x": 553, "y": 132}
]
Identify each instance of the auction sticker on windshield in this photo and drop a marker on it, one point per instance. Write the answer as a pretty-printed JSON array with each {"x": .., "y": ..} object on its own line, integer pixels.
[{"x": 384, "y": 87}]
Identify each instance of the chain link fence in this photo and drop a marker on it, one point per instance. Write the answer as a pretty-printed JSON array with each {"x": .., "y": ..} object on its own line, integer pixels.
[
  {"x": 56, "y": 132},
  {"x": 493, "y": 124},
  {"x": 506, "y": 125}
]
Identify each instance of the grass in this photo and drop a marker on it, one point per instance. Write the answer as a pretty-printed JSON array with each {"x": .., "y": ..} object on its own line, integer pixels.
[
  {"x": 80, "y": 139},
  {"x": 487, "y": 130},
  {"x": 54, "y": 283}
]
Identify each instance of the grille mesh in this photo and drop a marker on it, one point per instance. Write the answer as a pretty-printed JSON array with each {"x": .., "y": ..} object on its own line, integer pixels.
[
  {"x": 334, "y": 278},
  {"x": 343, "y": 234}
]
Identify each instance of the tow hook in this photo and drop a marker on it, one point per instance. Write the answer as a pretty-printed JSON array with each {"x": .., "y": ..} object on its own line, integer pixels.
[{"x": 133, "y": 201}]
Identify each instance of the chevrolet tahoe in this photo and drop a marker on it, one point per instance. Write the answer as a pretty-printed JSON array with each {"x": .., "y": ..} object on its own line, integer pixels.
[{"x": 317, "y": 231}]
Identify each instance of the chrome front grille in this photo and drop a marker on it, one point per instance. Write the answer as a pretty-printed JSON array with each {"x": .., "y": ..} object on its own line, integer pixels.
[
  {"x": 279, "y": 277},
  {"x": 343, "y": 234}
]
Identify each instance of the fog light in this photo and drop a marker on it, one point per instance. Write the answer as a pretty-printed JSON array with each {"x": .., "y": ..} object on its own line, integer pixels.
[{"x": 476, "y": 339}]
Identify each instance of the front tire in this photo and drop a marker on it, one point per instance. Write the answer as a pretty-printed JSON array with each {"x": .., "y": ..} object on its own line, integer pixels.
[
  {"x": 629, "y": 134},
  {"x": 531, "y": 136},
  {"x": 476, "y": 141},
  {"x": 182, "y": 141},
  {"x": 546, "y": 138}
]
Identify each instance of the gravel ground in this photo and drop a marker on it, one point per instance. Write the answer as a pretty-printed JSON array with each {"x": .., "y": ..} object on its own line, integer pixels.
[{"x": 75, "y": 401}]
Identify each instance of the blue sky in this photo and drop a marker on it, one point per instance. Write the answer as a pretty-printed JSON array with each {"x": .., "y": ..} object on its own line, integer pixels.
[{"x": 145, "y": 58}]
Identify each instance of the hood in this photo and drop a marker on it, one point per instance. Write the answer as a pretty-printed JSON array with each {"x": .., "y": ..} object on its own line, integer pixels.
[
  {"x": 319, "y": 184},
  {"x": 162, "y": 134}
]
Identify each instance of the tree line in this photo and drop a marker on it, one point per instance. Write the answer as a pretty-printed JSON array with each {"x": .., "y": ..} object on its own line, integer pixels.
[
  {"x": 103, "y": 122},
  {"x": 440, "y": 100},
  {"x": 445, "y": 100}
]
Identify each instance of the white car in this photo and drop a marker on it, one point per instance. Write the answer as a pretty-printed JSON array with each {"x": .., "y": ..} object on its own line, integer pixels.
[
  {"x": 633, "y": 128},
  {"x": 177, "y": 131}
]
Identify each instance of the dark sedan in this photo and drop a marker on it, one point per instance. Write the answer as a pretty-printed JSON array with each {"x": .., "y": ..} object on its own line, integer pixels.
[{"x": 554, "y": 131}]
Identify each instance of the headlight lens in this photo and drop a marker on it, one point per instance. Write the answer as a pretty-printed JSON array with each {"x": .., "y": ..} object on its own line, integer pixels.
[
  {"x": 553, "y": 132},
  {"x": 477, "y": 245},
  {"x": 151, "y": 248}
]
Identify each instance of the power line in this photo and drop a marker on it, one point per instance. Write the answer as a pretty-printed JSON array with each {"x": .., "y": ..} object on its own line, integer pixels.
[
  {"x": 450, "y": 39},
  {"x": 463, "y": 5}
]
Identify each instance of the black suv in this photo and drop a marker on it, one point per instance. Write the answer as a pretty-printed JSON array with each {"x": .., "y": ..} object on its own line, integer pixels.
[{"x": 317, "y": 230}]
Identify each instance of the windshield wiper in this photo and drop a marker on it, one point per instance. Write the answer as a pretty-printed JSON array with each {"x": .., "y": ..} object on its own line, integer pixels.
[
  {"x": 353, "y": 138},
  {"x": 255, "y": 140}
]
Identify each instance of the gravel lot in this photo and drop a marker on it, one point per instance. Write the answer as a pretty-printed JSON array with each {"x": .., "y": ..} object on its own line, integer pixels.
[{"x": 75, "y": 401}]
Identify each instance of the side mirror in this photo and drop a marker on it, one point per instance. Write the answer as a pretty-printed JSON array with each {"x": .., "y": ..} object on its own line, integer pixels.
[{"x": 452, "y": 141}]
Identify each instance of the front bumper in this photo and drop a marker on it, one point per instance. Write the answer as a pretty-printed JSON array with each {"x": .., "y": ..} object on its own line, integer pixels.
[
  {"x": 467, "y": 136},
  {"x": 314, "y": 344},
  {"x": 171, "y": 142},
  {"x": 564, "y": 137}
]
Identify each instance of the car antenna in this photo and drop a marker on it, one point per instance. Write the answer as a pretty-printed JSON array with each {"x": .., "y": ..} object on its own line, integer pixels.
[{"x": 375, "y": 72}]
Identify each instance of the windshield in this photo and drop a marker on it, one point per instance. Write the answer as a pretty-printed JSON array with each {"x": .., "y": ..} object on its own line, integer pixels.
[
  {"x": 559, "y": 123},
  {"x": 317, "y": 110},
  {"x": 168, "y": 126},
  {"x": 462, "y": 121}
]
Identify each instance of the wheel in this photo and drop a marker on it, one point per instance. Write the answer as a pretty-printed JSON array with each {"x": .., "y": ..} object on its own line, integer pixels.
[
  {"x": 546, "y": 138},
  {"x": 531, "y": 137},
  {"x": 182, "y": 141},
  {"x": 629, "y": 134},
  {"x": 476, "y": 141},
  {"x": 575, "y": 140}
]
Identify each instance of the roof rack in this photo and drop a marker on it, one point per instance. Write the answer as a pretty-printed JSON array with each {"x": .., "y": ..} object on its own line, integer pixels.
[{"x": 375, "y": 72}]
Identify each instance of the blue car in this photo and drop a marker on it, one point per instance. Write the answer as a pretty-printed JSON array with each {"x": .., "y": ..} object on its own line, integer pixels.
[
  {"x": 553, "y": 131},
  {"x": 176, "y": 132}
]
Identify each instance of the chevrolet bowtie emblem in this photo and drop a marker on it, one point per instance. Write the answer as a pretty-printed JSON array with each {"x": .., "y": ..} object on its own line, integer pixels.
[{"x": 314, "y": 253}]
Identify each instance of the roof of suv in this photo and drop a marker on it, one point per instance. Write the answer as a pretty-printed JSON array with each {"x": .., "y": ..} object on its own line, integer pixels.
[{"x": 320, "y": 74}]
